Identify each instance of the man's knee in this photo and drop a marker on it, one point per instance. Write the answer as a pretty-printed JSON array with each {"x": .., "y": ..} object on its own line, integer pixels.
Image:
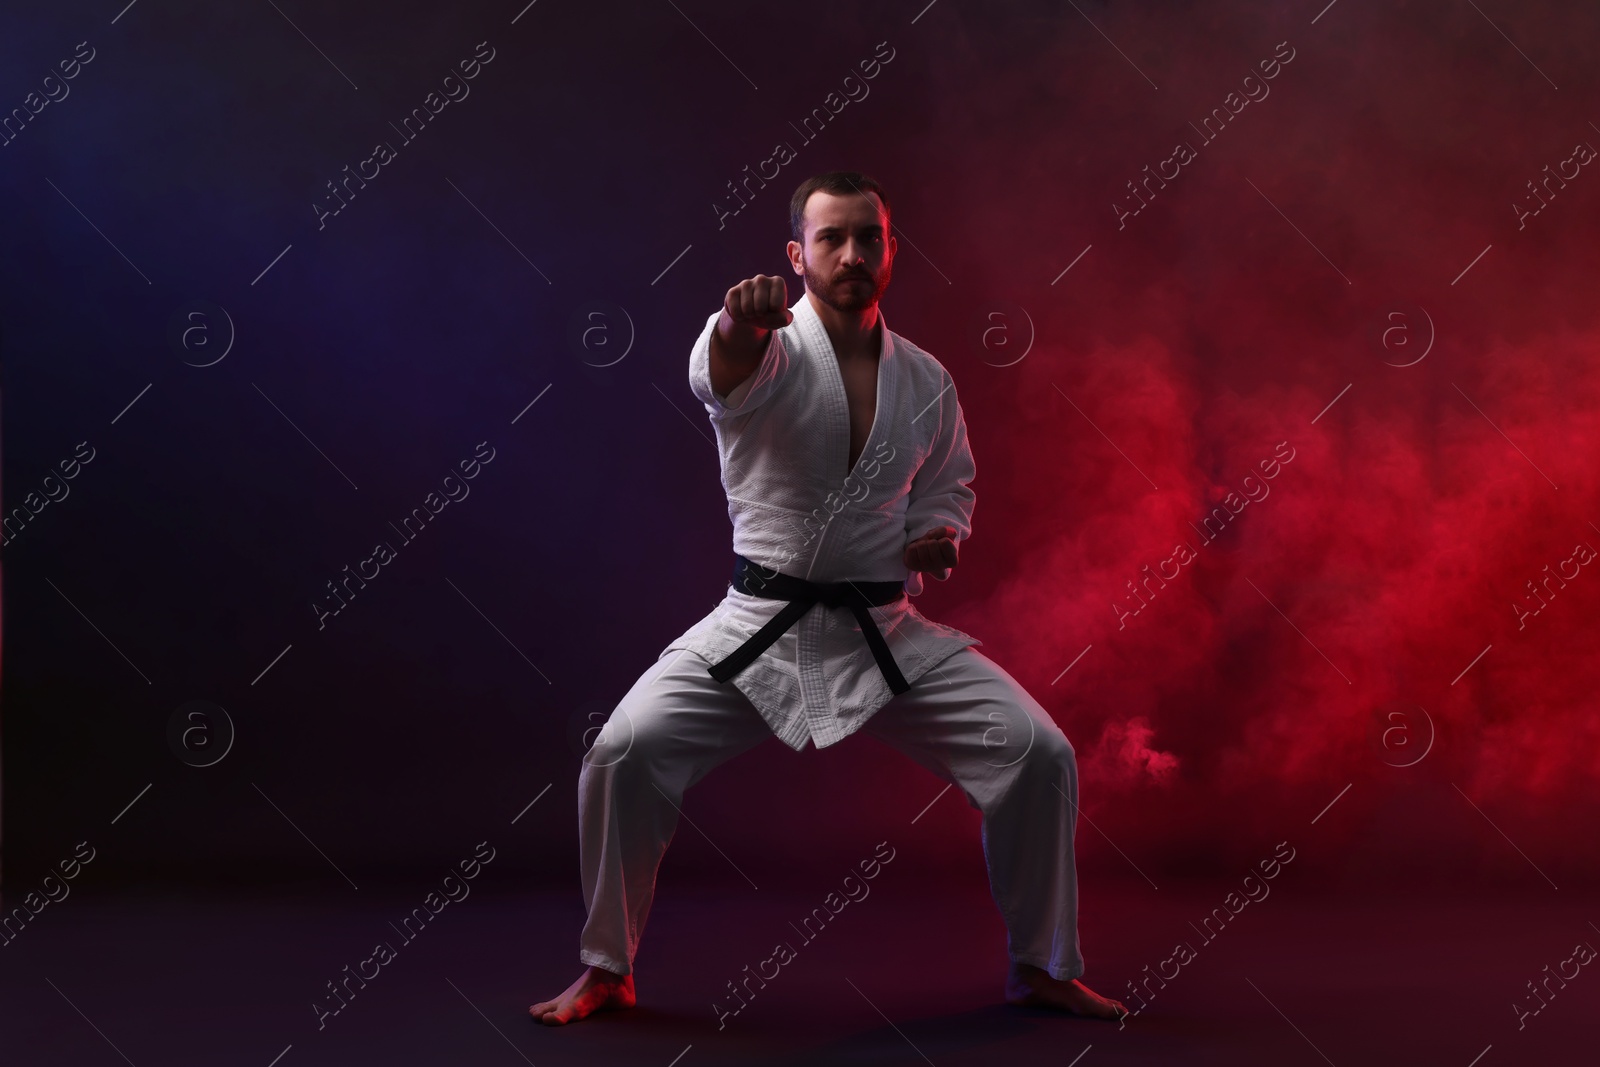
[
  {"x": 632, "y": 740},
  {"x": 1020, "y": 732},
  {"x": 1050, "y": 745},
  {"x": 1051, "y": 758}
]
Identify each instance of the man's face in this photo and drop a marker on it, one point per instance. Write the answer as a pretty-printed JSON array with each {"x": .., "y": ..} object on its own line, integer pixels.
[{"x": 848, "y": 253}]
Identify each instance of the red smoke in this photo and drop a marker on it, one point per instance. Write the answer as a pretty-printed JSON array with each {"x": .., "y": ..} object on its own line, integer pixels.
[
  {"x": 1396, "y": 540},
  {"x": 1356, "y": 228}
]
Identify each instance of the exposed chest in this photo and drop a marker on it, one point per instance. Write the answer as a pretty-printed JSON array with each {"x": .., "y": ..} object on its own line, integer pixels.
[{"x": 860, "y": 377}]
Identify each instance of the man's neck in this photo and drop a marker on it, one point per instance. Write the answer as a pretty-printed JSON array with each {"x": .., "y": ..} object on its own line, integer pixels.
[{"x": 855, "y": 334}]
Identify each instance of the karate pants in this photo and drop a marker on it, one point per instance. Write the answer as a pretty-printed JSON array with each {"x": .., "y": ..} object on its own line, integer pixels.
[{"x": 966, "y": 720}]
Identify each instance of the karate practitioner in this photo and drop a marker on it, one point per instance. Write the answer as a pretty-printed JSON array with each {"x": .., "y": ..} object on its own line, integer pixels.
[{"x": 844, "y": 455}]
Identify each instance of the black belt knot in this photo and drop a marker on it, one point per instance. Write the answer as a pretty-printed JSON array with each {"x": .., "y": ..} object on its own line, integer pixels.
[{"x": 755, "y": 580}]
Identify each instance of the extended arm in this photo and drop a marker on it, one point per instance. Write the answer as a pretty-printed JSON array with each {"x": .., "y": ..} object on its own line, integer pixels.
[{"x": 750, "y": 312}]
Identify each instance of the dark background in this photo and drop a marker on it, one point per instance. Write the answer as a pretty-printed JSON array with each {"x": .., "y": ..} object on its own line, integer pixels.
[{"x": 1173, "y": 356}]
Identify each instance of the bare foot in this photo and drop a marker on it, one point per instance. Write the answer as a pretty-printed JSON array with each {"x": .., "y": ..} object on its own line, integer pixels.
[
  {"x": 595, "y": 990},
  {"x": 1031, "y": 986}
]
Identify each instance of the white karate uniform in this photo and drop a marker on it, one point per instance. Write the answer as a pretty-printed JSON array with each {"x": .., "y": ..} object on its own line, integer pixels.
[
  {"x": 797, "y": 507},
  {"x": 784, "y": 437}
]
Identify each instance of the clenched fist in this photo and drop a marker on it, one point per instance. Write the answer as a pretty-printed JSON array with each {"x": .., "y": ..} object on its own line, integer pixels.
[
  {"x": 934, "y": 552},
  {"x": 750, "y": 312},
  {"x": 762, "y": 302}
]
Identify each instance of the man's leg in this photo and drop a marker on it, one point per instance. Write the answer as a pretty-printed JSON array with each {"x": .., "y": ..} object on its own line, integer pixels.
[
  {"x": 972, "y": 724},
  {"x": 668, "y": 732}
]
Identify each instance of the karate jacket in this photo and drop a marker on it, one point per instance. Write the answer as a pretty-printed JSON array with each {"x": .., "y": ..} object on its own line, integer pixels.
[{"x": 783, "y": 436}]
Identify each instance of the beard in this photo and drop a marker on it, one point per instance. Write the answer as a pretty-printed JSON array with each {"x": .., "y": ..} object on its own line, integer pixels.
[{"x": 844, "y": 295}]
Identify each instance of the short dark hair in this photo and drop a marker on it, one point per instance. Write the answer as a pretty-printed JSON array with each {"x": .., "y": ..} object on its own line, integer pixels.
[{"x": 837, "y": 182}]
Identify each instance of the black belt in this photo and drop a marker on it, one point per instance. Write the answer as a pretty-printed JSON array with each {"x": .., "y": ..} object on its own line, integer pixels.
[{"x": 756, "y": 580}]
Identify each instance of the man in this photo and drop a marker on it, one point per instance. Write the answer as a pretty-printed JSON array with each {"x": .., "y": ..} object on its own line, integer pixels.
[{"x": 845, "y": 460}]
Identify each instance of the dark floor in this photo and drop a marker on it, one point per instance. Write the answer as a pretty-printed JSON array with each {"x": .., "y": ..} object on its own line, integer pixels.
[{"x": 909, "y": 975}]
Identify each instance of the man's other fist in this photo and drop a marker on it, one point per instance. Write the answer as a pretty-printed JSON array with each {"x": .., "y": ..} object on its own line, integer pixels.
[{"x": 933, "y": 553}]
